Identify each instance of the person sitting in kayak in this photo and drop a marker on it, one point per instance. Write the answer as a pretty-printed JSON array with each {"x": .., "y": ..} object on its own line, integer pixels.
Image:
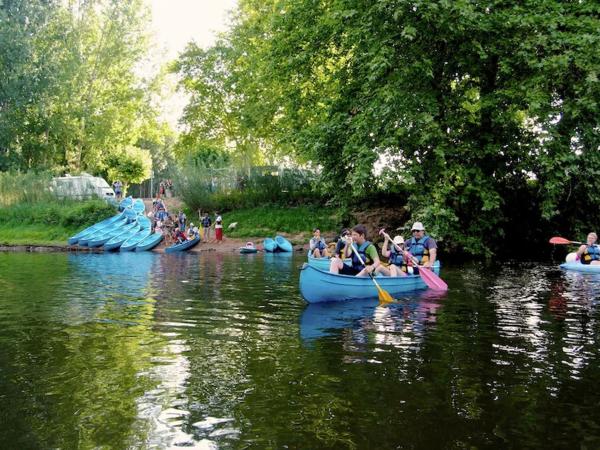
[
  {"x": 179, "y": 236},
  {"x": 357, "y": 243},
  {"x": 317, "y": 245},
  {"x": 422, "y": 247},
  {"x": 395, "y": 255},
  {"x": 341, "y": 243},
  {"x": 590, "y": 253}
]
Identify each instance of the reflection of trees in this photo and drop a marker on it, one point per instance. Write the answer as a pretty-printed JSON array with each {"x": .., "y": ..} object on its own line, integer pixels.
[{"x": 73, "y": 374}]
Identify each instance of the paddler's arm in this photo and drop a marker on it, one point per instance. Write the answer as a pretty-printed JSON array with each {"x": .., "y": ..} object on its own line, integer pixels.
[{"x": 372, "y": 252}]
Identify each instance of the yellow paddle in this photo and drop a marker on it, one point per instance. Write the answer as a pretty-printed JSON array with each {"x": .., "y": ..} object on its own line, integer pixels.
[{"x": 384, "y": 296}]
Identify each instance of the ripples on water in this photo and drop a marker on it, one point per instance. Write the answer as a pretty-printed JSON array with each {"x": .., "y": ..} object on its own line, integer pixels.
[{"x": 220, "y": 351}]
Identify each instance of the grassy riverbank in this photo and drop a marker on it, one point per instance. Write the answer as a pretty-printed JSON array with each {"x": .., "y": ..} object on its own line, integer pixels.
[
  {"x": 267, "y": 221},
  {"x": 50, "y": 222}
]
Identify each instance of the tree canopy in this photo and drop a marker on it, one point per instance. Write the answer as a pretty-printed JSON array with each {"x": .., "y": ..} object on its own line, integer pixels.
[
  {"x": 487, "y": 113},
  {"x": 70, "y": 90}
]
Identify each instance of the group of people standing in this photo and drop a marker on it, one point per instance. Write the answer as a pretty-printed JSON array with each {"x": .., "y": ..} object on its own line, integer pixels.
[
  {"x": 404, "y": 256},
  {"x": 175, "y": 227}
]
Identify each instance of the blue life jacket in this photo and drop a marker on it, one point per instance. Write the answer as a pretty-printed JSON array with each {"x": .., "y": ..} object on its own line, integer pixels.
[
  {"x": 592, "y": 253},
  {"x": 321, "y": 245},
  {"x": 356, "y": 264},
  {"x": 396, "y": 257},
  {"x": 206, "y": 222},
  {"x": 418, "y": 250}
]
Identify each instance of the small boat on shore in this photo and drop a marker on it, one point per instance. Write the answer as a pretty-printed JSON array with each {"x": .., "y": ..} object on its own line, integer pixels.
[
  {"x": 149, "y": 242},
  {"x": 248, "y": 248},
  {"x": 94, "y": 228},
  {"x": 115, "y": 242},
  {"x": 318, "y": 285},
  {"x": 183, "y": 246},
  {"x": 283, "y": 244},
  {"x": 99, "y": 239},
  {"x": 269, "y": 245},
  {"x": 130, "y": 244}
]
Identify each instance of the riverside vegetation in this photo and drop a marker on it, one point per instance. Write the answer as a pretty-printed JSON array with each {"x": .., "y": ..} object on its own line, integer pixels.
[{"x": 479, "y": 120}]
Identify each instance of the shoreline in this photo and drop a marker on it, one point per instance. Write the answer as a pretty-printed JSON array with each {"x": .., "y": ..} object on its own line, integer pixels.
[{"x": 228, "y": 245}]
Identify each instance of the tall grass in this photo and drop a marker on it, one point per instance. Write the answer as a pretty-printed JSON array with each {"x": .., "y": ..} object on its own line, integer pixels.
[{"x": 28, "y": 187}]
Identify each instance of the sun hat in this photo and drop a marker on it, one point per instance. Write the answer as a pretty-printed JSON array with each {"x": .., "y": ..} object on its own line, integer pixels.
[
  {"x": 418, "y": 226},
  {"x": 398, "y": 240}
]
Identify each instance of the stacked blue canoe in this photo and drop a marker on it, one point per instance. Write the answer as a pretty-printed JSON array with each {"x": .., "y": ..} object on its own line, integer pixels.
[{"x": 125, "y": 231}]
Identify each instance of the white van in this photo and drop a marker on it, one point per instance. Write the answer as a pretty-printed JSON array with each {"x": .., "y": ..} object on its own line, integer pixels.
[{"x": 82, "y": 187}]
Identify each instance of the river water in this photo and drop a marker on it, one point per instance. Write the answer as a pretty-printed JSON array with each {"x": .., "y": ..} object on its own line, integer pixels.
[{"x": 220, "y": 351}]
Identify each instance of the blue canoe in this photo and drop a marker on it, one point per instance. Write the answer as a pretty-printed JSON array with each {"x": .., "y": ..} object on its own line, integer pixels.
[
  {"x": 149, "y": 243},
  {"x": 125, "y": 203},
  {"x": 183, "y": 246},
  {"x": 322, "y": 286},
  {"x": 283, "y": 244},
  {"x": 115, "y": 242},
  {"x": 138, "y": 206},
  {"x": 130, "y": 244},
  {"x": 270, "y": 245},
  {"x": 576, "y": 266},
  {"x": 98, "y": 226},
  {"x": 100, "y": 239},
  {"x": 323, "y": 263},
  {"x": 86, "y": 238}
]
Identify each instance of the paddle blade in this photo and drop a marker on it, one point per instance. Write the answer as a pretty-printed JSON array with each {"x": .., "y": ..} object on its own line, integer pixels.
[
  {"x": 559, "y": 240},
  {"x": 432, "y": 280},
  {"x": 384, "y": 296}
]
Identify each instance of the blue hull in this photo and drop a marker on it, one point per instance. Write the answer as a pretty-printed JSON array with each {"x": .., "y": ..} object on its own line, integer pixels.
[
  {"x": 283, "y": 244},
  {"x": 149, "y": 243},
  {"x": 578, "y": 267},
  {"x": 100, "y": 239},
  {"x": 138, "y": 206},
  {"x": 323, "y": 263},
  {"x": 98, "y": 226},
  {"x": 125, "y": 203},
  {"x": 116, "y": 242},
  {"x": 183, "y": 246},
  {"x": 270, "y": 245},
  {"x": 85, "y": 239},
  {"x": 318, "y": 286},
  {"x": 130, "y": 244}
]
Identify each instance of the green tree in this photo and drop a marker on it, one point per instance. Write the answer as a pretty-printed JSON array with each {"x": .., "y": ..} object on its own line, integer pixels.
[{"x": 130, "y": 165}]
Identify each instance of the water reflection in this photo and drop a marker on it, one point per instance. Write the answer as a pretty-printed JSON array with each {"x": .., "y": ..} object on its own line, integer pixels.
[
  {"x": 550, "y": 320},
  {"x": 401, "y": 325},
  {"x": 220, "y": 351}
]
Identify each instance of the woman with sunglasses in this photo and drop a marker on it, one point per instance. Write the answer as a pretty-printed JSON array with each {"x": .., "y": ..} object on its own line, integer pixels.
[{"x": 422, "y": 247}]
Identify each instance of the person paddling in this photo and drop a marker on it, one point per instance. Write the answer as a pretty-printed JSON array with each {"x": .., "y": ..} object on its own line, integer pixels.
[
  {"x": 395, "y": 256},
  {"x": 590, "y": 253},
  {"x": 422, "y": 247},
  {"x": 366, "y": 250}
]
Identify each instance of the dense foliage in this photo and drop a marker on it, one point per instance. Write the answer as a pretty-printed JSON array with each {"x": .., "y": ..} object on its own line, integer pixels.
[
  {"x": 486, "y": 112},
  {"x": 70, "y": 90}
]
